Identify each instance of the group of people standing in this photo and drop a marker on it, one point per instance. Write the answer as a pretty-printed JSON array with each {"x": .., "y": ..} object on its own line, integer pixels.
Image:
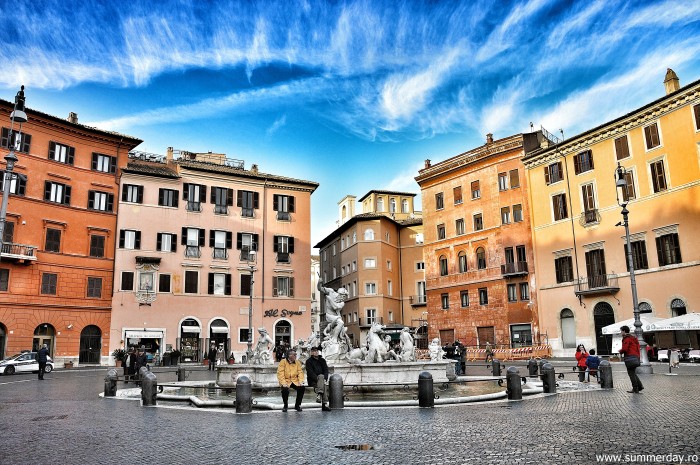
[
  {"x": 290, "y": 375},
  {"x": 134, "y": 360}
]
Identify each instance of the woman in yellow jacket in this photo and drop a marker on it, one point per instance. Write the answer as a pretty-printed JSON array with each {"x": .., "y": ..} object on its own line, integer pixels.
[{"x": 290, "y": 373}]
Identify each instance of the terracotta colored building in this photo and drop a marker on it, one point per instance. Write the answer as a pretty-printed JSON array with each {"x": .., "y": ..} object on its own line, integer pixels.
[
  {"x": 584, "y": 282},
  {"x": 56, "y": 267},
  {"x": 188, "y": 226},
  {"x": 478, "y": 248}
]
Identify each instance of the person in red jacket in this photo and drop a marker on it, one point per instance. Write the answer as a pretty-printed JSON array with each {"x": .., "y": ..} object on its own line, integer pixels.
[
  {"x": 630, "y": 351},
  {"x": 581, "y": 356}
]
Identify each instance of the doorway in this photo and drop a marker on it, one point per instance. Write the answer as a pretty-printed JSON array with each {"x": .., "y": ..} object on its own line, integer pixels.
[
  {"x": 520, "y": 335},
  {"x": 603, "y": 316},
  {"x": 3, "y": 332},
  {"x": 90, "y": 345},
  {"x": 283, "y": 333},
  {"x": 43, "y": 334}
]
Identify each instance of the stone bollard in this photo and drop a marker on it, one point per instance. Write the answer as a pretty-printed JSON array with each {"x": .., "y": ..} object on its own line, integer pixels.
[
  {"x": 496, "y": 367},
  {"x": 149, "y": 387},
  {"x": 532, "y": 367},
  {"x": 426, "y": 394},
  {"x": 541, "y": 364},
  {"x": 181, "y": 375},
  {"x": 336, "y": 397},
  {"x": 549, "y": 382},
  {"x": 605, "y": 375},
  {"x": 244, "y": 395},
  {"x": 111, "y": 383},
  {"x": 514, "y": 389}
]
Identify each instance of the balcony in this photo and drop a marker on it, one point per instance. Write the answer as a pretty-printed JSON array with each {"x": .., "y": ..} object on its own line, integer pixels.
[
  {"x": 589, "y": 217},
  {"x": 514, "y": 269},
  {"x": 192, "y": 251},
  {"x": 594, "y": 285},
  {"x": 283, "y": 257},
  {"x": 418, "y": 300},
  {"x": 220, "y": 253},
  {"x": 284, "y": 216},
  {"x": 366, "y": 322},
  {"x": 193, "y": 206},
  {"x": 18, "y": 252},
  {"x": 221, "y": 209}
]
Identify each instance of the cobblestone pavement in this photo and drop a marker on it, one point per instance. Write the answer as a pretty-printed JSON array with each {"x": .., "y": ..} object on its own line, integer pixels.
[{"x": 62, "y": 420}]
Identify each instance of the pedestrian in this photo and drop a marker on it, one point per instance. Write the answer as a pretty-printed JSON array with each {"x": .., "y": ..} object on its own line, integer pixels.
[
  {"x": 279, "y": 351},
  {"x": 317, "y": 375},
  {"x": 41, "y": 357},
  {"x": 630, "y": 351},
  {"x": 592, "y": 362},
  {"x": 141, "y": 361},
  {"x": 463, "y": 358},
  {"x": 211, "y": 356},
  {"x": 290, "y": 373},
  {"x": 581, "y": 356},
  {"x": 221, "y": 355},
  {"x": 129, "y": 360},
  {"x": 489, "y": 352},
  {"x": 132, "y": 364}
]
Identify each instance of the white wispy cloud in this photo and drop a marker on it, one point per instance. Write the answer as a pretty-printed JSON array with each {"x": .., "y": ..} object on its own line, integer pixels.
[{"x": 277, "y": 125}]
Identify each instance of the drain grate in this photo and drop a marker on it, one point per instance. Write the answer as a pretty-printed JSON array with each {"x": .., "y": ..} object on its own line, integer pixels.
[
  {"x": 52, "y": 417},
  {"x": 356, "y": 447}
]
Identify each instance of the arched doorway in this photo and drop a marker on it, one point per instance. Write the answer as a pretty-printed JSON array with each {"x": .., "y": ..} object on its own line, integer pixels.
[
  {"x": 189, "y": 340},
  {"x": 678, "y": 307},
  {"x": 219, "y": 334},
  {"x": 43, "y": 334},
  {"x": 603, "y": 315},
  {"x": 283, "y": 332},
  {"x": 568, "y": 329},
  {"x": 422, "y": 337},
  {"x": 90, "y": 345},
  {"x": 3, "y": 333}
]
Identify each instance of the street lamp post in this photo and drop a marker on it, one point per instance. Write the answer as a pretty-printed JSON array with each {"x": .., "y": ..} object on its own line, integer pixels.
[
  {"x": 621, "y": 186},
  {"x": 251, "y": 265},
  {"x": 17, "y": 116}
]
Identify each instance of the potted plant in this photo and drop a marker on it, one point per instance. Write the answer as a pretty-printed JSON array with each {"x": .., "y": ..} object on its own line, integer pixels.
[
  {"x": 174, "y": 356},
  {"x": 119, "y": 356}
]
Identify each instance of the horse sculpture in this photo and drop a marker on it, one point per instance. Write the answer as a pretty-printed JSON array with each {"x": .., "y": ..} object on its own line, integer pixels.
[{"x": 376, "y": 349}]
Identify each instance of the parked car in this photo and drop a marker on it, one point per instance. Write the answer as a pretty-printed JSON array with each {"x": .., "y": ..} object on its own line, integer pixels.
[{"x": 23, "y": 363}]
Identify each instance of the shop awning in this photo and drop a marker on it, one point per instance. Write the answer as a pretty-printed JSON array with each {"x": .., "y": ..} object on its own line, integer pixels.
[
  {"x": 219, "y": 329},
  {"x": 144, "y": 334}
]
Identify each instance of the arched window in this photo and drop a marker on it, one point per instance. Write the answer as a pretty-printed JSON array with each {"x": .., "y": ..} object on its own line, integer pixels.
[
  {"x": 462, "y": 262},
  {"x": 443, "y": 265},
  {"x": 344, "y": 212},
  {"x": 481, "y": 258},
  {"x": 354, "y": 237},
  {"x": 404, "y": 206},
  {"x": 369, "y": 234},
  {"x": 392, "y": 205},
  {"x": 678, "y": 307},
  {"x": 645, "y": 307},
  {"x": 283, "y": 332},
  {"x": 568, "y": 329},
  {"x": 380, "y": 204}
]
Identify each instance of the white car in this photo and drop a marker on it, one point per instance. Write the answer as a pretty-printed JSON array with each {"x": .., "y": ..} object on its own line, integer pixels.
[{"x": 23, "y": 363}]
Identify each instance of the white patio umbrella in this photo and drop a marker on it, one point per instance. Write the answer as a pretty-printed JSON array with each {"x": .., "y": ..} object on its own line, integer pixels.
[
  {"x": 687, "y": 322},
  {"x": 647, "y": 322}
]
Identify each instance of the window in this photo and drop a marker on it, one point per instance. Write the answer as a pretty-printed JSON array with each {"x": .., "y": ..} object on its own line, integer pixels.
[
  {"x": 559, "y": 207},
  {"x": 282, "y": 286},
  {"x": 583, "y": 162},
  {"x": 18, "y": 185},
  {"x": 132, "y": 193},
  {"x": 61, "y": 153},
  {"x": 404, "y": 207},
  {"x": 464, "y": 298},
  {"x": 588, "y": 197},
  {"x": 478, "y": 222},
  {"x": 104, "y": 163},
  {"x": 440, "y": 231},
  {"x": 517, "y": 213},
  {"x": 283, "y": 247},
  {"x": 420, "y": 266},
  {"x": 514, "y": 179},
  {"x": 220, "y": 241},
  {"x": 283, "y": 205},
  {"x": 371, "y": 314},
  {"x": 97, "y": 246},
  {"x": 192, "y": 239},
  {"x": 553, "y": 173},
  {"x": 462, "y": 260},
  {"x": 524, "y": 291},
  {"x": 101, "y": 201},
  {"x": 9, "y": 232},
  {"x": 595, "y": 268},
  {"x": 48, "y": 283},
  {"x": 457, "y": 194},
  {"x": 512, "y": 293},
  {"x": 443, "y": 265},
  {"x": 57, "y": 192},
  {"x": 243, "y": 335},
  {"x": 459, "y": 226},
  {"x": 53, "y": 240},
  {"x": 668, "y": 249},
  {"x": 505, "y": 215},
  {"x": 476, "y": 192},
  {"x": 166, "y": 242},
  {"x": 245, "y": 284},
  {"x": 219, "y": 284},
  {"x": 520, "y": 252},
  {"x": 370, "y": 262},
  {"x": 249, "y": 202},
  {"x": 194, "y": 195},
  {"x": 334, "y": 250},
  {"x": 445, "y": 300},
  {"x": 658, "y": 176},
  {"x": 94, "y": 287},
  {"x": 191, "y": 282},
  {"x": 564, "y": 269},
  {"x": 639, "y": 255},
  {"x": 246, "y": 243},
  {"x": 481, "y": 258},
  {"x": 389, "y": 288},
  {"x": 4, "y": 279},
  {"x": 628, "y": 192},
  {"x": 127, "y": 281},
  {"x": 222, "y": 198},
  {"x": 622, "y": 148},
  {"x": 696, "y": 112},
  {"x": 164, "y": 282},
  {"x": 20, "y": 141},
  {"x": 369, "y": 234},
  {"x": 651, "y": 136},
  {"x": 483, "y": 296},
  {"x": 370, "y": 288},
  {"x": 354, "y": 265},
  {"x": 167, "y": 198},
  {"x": 129, "y": 239},
  {"x": 439, "y": 201},
  {"x": 388, "y": 265},
  {"x": 380, "y": 204},
  {"x": 502, "y": 181},
  {"x": 392, "y": 205}
]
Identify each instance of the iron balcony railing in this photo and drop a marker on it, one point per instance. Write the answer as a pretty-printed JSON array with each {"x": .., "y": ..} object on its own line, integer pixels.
[
  {"x": 599, "y": 284},
  {"x": 417, "y": 300},
  {"x": 220, "y": 253},
  {"x": 10, "y": 250},
  {"x": 514, "y": 269}
]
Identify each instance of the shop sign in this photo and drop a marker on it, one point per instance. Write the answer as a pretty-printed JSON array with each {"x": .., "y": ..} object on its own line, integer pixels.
[{"x": 274, "y": 313}]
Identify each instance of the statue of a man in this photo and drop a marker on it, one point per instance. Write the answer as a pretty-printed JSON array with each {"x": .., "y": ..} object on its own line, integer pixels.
[
  {"x": 262, "y": 355},
  {"x": 408, "y": 350},
  {"x": 335, "y": 301}
]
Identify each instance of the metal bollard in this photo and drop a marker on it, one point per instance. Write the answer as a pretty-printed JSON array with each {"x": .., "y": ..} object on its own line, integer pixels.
[
  {"x": 244, "y": 395},
  {"x": 514, "y": 389},
  {"x": 336, "y": 397},
  {"x": 149, "y": 387},
  {"x": 549, "y": 383},
  {"x": 496, "y": 367},
  {"x": 181, "y": 375},
  {"x": 111, "y": 383},
  {"x": 605, "y": 375},
  {"x": 532, "y": 367},
  {"x": 426, "y": 394},
  {"x": 541, "y": 364}
]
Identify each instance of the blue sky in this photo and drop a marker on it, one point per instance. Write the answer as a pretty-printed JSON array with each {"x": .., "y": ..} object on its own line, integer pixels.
[{"x": 354, "y": 95}]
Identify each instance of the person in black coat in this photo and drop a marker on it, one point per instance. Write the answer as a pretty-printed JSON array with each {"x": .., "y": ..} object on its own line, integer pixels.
[
  {"x": 212, "y": 357},
  {"x": 317, "y": 375},
  {"x": 141, "y": 361},
  {"x": 42, "y": 357}
]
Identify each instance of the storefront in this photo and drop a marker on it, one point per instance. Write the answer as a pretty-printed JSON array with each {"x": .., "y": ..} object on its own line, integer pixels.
[
  {"x": 189, "y": 342},
  {"x": 152, "y": 340},
  {"x": 219, "y": 335}
]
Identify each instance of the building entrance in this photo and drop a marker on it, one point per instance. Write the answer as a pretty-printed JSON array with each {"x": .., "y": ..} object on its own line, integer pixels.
[
  {"x": 43, "y": 334},
  {"x": 603, "y": 316},
  {"x": 90, "y": 345}
]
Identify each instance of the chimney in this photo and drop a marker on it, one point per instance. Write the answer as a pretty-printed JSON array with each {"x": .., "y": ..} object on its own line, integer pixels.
[
  {"x": 254, "y": 169},
  {"x": 73, "y": 117},
  {"x": 169, "y": 155},
  {"x": 489, "y": 138},
  {"x": 427, "y": 163},
  {"x": 671, "y": 82}
]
